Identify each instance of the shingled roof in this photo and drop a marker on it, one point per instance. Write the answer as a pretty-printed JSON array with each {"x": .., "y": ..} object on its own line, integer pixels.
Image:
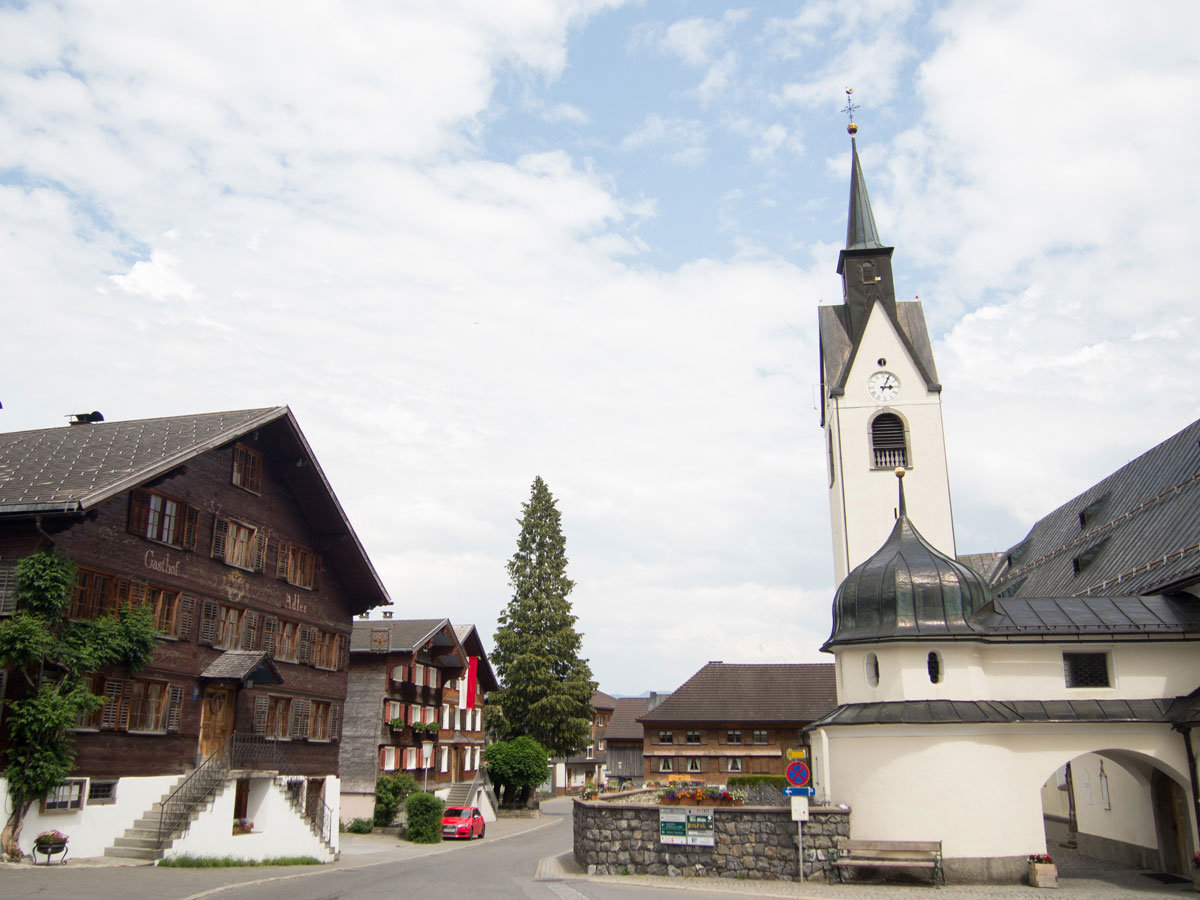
[
  {"x": 760, "y": 693},
  {"x": 1135, "y": 532},
  {"x": 601, "y": 700},
  {"x": 624, "y": 725},
  {"x": 71, "y": 469}
]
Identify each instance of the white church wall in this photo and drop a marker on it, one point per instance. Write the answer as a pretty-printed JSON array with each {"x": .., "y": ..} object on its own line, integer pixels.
[{"x": 909, "y": 782}]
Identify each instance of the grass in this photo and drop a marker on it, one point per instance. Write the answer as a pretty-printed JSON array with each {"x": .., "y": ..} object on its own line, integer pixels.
[{"x": 228, "y": 862}]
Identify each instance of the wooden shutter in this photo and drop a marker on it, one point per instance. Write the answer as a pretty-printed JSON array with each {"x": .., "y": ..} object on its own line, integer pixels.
[
  {"x": 383, "y": 758},
  {"x": 113, "y": 712},
  {"x": 260, "y": 714},
  {"x": 208, "y": 623},
  {"x": 335, "y": 721},
  {"x": 308, "y": 635},
  {"x": 131, "y": 591},
  {"x": 220, "y": 533},
  {"x": 191, "y": 528},
  {"x": 342, "y": 652},
  {"x": 8, "y": 587},
  {"x": 139, "y": 512},
  {"x": 269, "y": 635},
  {"x": 283, "y": 549},
  {"x": 174, "y": 707},
  {"x": 260, "y": 550},
  {"x": 300, "y": 720},
  {"x": 187, "y": 613},
  {"x": 250, "y": 630}
]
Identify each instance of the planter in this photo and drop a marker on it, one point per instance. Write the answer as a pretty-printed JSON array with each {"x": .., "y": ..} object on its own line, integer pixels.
[
  {"x": 1043, "y": 875},
  {"x": 49, "y": 848}
]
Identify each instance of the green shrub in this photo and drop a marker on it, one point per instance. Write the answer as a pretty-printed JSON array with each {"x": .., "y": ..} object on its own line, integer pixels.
[
  {"x": 423, "y": 818},
  {"x": 359, "y": 826},
  {"x": 228, "y": 862},
  {"x": 747, "y": 781},
  {"x": 390, "y": 792}
]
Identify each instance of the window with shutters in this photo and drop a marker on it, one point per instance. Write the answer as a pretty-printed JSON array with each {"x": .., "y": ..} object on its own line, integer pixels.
[
  {"x": 94, "y": 595},
  {"x": 166, "y": 610},
  {"x": 167, "y": 520},
  {"x": 889, "y": 442},
  {"x": 229, "y": 627},
  {"x": 300, "y": 717},
  {"x": 388, "y": 759},
  {"x": 296, "y": 565},
  {"x": 247, "y": 468},
  {"x": 319, "y": 721},
  {"x": 281, "y": 639},
  {"x": 240, "y": 544},
  {"x": 147, "y": 707},
  {"x": 279, "y": 718},
  {"x": 8, "y": 586},
  {"x": 734, "y": 765},
  {"x": 327, "y": 650},
  {"x": 733, "y": 736},
  {"x": 760, "y": 736}
]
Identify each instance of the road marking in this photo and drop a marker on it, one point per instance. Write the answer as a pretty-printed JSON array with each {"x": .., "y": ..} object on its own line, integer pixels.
[{"x": 565, "y": 892}]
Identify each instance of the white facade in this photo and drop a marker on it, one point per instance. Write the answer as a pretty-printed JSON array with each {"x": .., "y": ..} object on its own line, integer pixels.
[{"x": 862, "y": 495}]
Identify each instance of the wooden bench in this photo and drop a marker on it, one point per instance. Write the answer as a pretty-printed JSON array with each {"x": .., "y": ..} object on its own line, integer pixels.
[{"x": 888, "y": 855}]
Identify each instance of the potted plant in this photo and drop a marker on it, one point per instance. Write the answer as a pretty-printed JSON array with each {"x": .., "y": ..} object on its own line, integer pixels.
[
  {"x": 49, "y": 843},
  {"x": 242, "y": 826},
  {"x": 1042, "y": 871}
]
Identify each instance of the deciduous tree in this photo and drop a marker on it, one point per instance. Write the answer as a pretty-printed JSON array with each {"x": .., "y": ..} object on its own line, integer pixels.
[
  {"x": 518, "y": 766},
  {"x": 545, "y": 687}
]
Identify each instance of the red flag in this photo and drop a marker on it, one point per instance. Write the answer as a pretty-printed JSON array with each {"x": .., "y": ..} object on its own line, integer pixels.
[{"x": 472, "y": 671}]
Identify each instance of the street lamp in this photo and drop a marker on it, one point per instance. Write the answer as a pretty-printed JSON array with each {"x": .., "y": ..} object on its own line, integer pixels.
[{"x": 427, "y": 752}]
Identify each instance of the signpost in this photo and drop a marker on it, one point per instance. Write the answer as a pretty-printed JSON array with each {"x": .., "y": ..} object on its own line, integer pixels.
[
  {"x": 798, "y": 776},
  {"x": 799, "y": 792},
  {"x": 798, "y": 773}
]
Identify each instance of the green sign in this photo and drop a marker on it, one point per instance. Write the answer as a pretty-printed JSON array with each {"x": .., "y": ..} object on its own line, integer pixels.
[{"x": 692, "y": 826}]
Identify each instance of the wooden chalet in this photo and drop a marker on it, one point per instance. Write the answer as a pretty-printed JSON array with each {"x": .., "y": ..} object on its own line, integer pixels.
[{"x": 227, "y": 742}]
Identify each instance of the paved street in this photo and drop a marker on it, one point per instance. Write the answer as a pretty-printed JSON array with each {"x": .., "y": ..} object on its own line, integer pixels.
[{"x": 524, "y": 858}]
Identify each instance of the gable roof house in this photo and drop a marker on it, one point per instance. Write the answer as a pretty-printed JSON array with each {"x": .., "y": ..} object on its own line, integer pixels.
[
  {"x": 729, "y": 719},
  {"x": 416, "y": 702},
  {"x": 623, "y": 739},
  {"x": 227, "y": 525}
]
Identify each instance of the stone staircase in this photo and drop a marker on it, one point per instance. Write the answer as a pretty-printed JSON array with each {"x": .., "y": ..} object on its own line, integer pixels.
[
  {"x": 140, "y": 840},
  {"x": 460, "y": 793}
]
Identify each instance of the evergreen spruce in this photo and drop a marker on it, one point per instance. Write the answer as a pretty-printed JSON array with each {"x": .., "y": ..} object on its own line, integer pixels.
[{"x": 546, "y": 689}]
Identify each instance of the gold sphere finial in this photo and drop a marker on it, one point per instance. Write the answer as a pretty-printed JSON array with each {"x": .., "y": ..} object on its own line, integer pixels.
[
  {"x": 899, "y": 471},
  {"x": 852, "y": 129}
]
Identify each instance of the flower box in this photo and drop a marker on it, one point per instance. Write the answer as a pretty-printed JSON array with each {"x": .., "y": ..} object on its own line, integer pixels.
[{"x": 1043, "y": 875}]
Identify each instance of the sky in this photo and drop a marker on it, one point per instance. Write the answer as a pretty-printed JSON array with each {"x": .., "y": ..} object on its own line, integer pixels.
[{"x": 474, "y": 243}]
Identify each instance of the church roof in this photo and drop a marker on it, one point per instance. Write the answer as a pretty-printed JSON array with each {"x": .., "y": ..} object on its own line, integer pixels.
[
  {"x": 839, "y": 343},
  {"x": 907, "y": 589},
  {"x": 1137, "y": 531},
  {"x": 861, "y": 233},
  {"x": 954, "y": 712}
]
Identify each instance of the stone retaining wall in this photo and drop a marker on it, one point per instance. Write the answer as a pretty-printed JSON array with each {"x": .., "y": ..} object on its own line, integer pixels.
[{"x": 750, "y": 842}]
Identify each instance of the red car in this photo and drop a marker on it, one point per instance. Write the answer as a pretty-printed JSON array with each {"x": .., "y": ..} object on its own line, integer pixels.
[{"x": 462, "y": 822}]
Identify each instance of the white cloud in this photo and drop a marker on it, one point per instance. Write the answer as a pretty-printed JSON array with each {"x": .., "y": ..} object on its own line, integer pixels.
[{"x": 683, "y": 140}]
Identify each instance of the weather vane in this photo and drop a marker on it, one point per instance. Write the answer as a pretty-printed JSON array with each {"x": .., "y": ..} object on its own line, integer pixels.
[{"x": 851, "y": 106}]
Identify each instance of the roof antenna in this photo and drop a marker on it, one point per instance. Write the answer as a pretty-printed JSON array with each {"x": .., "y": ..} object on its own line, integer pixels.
[{"x": 849, "y": 109}]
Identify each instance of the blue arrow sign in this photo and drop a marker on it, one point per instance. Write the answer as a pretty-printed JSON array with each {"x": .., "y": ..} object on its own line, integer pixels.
[{"x": 799, "y": 792}]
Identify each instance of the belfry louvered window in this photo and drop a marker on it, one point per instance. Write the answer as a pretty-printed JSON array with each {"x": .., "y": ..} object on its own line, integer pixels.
[{"x": 888, "y": 442}]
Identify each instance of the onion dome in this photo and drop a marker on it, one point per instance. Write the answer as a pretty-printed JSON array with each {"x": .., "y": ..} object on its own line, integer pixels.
[{"x": 908, "y": 590}]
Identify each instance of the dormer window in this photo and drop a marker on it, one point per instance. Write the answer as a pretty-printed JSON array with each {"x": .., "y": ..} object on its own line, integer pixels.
[
  {"x": 1087, "y": 557},
  {"x": 1088, "y": 514},
  {"x": 889, "y": 443}
]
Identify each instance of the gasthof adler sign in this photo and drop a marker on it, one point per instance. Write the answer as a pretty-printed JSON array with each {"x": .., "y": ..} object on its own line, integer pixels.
[{"x": 692, "y": 826}]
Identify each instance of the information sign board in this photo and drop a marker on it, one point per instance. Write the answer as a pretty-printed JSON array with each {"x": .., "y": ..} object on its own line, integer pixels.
[
  {"x": 688, "y": 825},
  {"x": 798, "y": 753},
  {"x": 799, "y": 791},
  {"x": 799, "y": 809}
]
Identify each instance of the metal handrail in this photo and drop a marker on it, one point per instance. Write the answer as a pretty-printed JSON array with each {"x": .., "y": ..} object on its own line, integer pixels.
[
  {"x": 194, "y": 789},
  {"x": 255, "y": 751}
]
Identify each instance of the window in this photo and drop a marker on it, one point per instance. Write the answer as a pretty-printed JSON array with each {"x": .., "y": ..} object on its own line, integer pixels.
[
  {"x": 166, "y": 609},
  {"x": 102, "y": 792},
  {"x": 872, "y": 663},
  {"x": 278, "y": 718},
  {"x": 94, "y": 595},
  {"x": 1087, "y": 557},
  {"x": 323, "y": 721},
  {"x": 888, "y": 441},
  {"x": 666, "y": 737},
  {"x": 247, "y": 468},
  {"x": 934, "y": 665},
  {"x": 239, "y": 544},
  {"x": 327, "y": 650},
  {"x": 694, "y": 764},
  {"x": 693, "y": 737},
  {"x": 164, "y": 519},
  {"x": 590, "y": 752},
  {"x": 296, "y": 565},
  {"x": 387, "y": 759},
  {"x": 445, "y": 760},
  {"x": 8, "y": 586},
  {"x": 734, "y": 736},
  {"x": 1086, "y": 670},
  {"x": 67, "y": 797},
  {"x": 665, "y": 764},
  {"x": 735, "y": 764},
  {"x": 148, "y": 707},
  {"x": 760, "y": 736},
  {"x": 281, "y": 638},
  {"x": 230, "y": 620},
  {"x": 435, "y": 677}
]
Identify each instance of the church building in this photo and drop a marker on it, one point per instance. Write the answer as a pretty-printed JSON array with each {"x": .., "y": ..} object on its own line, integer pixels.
[{"x": 1057, "y": 694}]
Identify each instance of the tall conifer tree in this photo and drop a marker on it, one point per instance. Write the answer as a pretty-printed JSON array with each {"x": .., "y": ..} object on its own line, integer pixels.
[{"x": 546, "y": 689}]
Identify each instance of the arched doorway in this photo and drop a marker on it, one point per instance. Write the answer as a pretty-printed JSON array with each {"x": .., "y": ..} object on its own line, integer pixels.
[{"x": 1122, "y": 807}]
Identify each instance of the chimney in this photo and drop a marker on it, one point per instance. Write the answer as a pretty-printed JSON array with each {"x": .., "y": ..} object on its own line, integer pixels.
[
  {"x": 86, "y": 418},
  {"x": 387, "y": 613}
]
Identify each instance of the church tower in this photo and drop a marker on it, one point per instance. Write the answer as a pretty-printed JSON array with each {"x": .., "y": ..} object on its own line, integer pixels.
[{"x": 882, "y": 402}]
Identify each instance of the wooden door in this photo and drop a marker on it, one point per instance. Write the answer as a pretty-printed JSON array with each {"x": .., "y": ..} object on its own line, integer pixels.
[{"x": 216, "y": 719}]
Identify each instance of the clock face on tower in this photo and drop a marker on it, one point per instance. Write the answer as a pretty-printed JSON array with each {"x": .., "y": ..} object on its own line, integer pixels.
[{"x": 883, "y": 386}]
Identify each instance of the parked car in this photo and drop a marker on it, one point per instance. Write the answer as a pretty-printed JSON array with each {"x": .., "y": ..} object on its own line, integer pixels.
[{"x": 462, "y": 822}]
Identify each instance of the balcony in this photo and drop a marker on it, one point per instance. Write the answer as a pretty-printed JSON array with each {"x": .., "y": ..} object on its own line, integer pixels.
[{"x": 407, "y": 692}]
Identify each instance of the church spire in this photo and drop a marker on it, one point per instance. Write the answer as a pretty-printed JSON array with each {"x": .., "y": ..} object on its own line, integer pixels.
[{"x": 861, "y": 233}]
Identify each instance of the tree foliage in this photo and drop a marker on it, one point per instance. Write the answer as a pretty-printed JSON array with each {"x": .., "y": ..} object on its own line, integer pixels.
[
  {"x": 390, "y": 791},
  {"x": 518, "y": 766},
  {"x": 52, "y": 655},
  {"x": 423, "y": 818},
  {"x": 546, "y": 688}
]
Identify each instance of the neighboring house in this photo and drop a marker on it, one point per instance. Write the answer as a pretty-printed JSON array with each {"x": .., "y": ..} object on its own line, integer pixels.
[
  {"x": 573, "y": 773},
  {"x": 623, "y": 739},
  {"x": 1057, "y": 698},
  {"x": 416, "y": 705},
  {"x": 227, "y": 525},
  {"x": 730, "y": 719}
]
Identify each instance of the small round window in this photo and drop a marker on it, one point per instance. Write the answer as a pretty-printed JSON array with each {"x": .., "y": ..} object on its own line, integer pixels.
[
  {"x": 872, "y": 670},
  {"x": 935, "y": 668}
]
